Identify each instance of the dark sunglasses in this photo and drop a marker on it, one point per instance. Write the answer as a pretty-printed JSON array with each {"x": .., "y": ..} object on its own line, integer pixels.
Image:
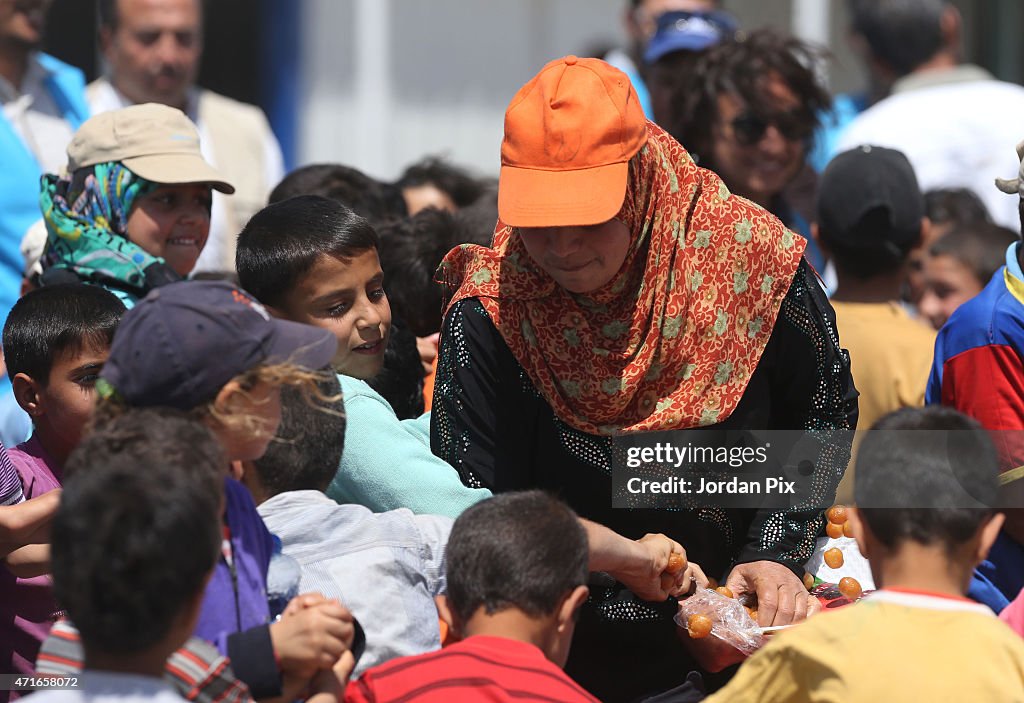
[{"x": 750, "y": 127}]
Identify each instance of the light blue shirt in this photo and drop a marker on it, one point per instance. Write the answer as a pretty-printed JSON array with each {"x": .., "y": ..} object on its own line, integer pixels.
[
  {"x": 387, "y": 462},
  {"x": 384, "y": 567}
]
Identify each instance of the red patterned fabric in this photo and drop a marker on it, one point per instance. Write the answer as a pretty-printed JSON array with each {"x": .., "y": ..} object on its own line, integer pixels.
[{"x": 672, "y": 340}]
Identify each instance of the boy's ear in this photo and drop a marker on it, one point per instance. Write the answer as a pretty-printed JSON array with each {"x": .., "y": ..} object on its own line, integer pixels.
[
  {"x": 987, "y": 533},
  {"x": 447, "y": 615},
  {"x": 572, "y": 603},
  {"x": 225, "y": 396},
  {"x": 27, "y": 393}
]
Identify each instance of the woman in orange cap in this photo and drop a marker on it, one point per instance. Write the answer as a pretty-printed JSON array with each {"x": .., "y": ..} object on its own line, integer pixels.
[{"x": 626, "y": 291}]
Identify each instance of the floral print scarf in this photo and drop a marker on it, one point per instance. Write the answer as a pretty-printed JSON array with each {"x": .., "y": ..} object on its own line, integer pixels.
[
  {"x": 673, "y": 339},
  {"x": 86, "y": 217}
]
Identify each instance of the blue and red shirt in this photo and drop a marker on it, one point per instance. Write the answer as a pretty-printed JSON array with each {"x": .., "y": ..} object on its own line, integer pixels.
[{"x": 979, "y": 370}]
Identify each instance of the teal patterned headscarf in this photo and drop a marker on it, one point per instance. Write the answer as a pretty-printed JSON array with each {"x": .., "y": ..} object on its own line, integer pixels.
[{"x": 86, "y": 215}]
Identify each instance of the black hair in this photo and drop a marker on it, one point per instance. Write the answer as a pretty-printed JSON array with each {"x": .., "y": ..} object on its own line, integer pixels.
[
  {"x": 461, "y": 186},
  {"x": 109, "y": 16},
  {"x": 138, "y": 528},
  {"x": 375, "y": 200},
  {"x": 476, "y": 222},
  {"x": 741, "y": 67},
  {"x": 52, "y": 321},
  {"x": 926, "y": 475},
  {"x": 400, "y": 380},
  {"x": 871, "y": 247},
  {"x": 981, "y": 247},
  {"x": 309, "y": 443},
  {"x": 902, "y": 34},
  {"x": 955, "y": 205},
  {"x": 410, "y": 252},
  {"x": 524, "y": 550},
  {"x": 284, "y": 240}
]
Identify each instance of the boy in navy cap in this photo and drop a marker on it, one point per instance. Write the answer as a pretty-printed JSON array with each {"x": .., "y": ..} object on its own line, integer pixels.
[{"x": 209, "y": 349}]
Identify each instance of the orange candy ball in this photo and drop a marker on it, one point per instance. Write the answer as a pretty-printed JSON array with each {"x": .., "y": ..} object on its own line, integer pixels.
[
  {"x": 847, "y": 530},
  {"x": 850, "y": 587},
  {"x": 833, "y": 530},
  {"x": 836, "y": 514},
  {"x": 752, "y": 612},
  {"x": 808, "y": 581},
  {"x": 698, "y": 626},
  {"x": 676, "y": 563},
  {"x": 834, "y": 558},
  {"x": 725, "y": 591}
]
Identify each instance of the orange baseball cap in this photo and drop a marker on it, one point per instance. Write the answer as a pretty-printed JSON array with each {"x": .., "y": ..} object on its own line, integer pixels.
[{"x": 569, "y": 135}]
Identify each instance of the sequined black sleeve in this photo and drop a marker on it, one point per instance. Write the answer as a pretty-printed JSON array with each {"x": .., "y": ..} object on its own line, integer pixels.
[
  {"x": 476, "y": 416},
  {"x": 491, "y": 424},
  {"x": 812, "y": 390}
]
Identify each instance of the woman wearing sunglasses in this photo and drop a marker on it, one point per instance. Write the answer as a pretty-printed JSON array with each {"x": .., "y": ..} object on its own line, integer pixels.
[
  {"x": 627, "y": 292},
  {"x": 748, "y": 113}
]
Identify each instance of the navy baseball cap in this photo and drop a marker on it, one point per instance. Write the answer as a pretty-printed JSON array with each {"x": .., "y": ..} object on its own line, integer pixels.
[
  {"x": 689, "y": 31},
  {"x": 184, "y": 341}
]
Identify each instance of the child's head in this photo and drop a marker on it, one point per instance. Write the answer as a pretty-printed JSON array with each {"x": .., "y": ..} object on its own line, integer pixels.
[
  {"x": 945, "y": 208},
  {"x": 138, "y": 533},
  {"x": 870, "y": 211},
  {"x": 959, "y": 265},
  {"x": 135, "y": 173},
  {"x": 410, "y": 252},
  {"x": 56, "y": 340},
  {"x": 949, "y": 207},
  {"x": 375, "y": 200},
  {"x": 307, "y": 451},
  {"x": 520, "y": 556},
  {"x": 313, "y": 260},
  {"x": 433, "y": 182},
  {"x": 207, "y": 347},
  {"x": 927, "y": 477}
]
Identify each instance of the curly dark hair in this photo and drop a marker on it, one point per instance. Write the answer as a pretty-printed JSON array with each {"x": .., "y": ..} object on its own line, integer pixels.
[{"x": 742, "y": 67}]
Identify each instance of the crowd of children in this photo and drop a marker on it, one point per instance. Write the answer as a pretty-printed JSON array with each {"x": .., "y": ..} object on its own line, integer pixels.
[{"x": 191, "y": 438}]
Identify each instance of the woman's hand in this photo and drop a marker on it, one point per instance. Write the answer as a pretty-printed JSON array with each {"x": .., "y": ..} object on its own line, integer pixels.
[
  {"x": 782, "y": 598},
  {"x": 427, "y": 347}
]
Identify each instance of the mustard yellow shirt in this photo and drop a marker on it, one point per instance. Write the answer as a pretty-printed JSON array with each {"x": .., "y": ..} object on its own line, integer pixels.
[
  {"x": 892, "y": 646},
  {"x": 890, "y": 358}
]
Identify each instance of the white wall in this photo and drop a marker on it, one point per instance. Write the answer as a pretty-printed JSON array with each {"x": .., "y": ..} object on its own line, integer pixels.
[
  {"x": 428, "y": 77},
  {"x": 422, "y": 77}
]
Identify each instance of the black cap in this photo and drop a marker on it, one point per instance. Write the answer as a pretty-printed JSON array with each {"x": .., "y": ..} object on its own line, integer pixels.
[
  {"x": 184, "y": 341},
  {"x": 864, "y": 180}
]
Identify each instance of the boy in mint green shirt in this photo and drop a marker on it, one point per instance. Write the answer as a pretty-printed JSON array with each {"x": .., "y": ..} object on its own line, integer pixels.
[{"x": 312, "y": 260}]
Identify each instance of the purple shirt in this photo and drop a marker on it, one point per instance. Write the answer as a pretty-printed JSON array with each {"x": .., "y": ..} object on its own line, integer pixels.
[
  {"x": 234, "y": 603},
  {"x": 10, "y": 481},
  {"x": 27, "y": 606}
]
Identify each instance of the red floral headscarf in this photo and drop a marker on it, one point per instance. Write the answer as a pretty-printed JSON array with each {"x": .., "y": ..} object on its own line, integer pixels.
[{"x": 672, "y": 340}]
